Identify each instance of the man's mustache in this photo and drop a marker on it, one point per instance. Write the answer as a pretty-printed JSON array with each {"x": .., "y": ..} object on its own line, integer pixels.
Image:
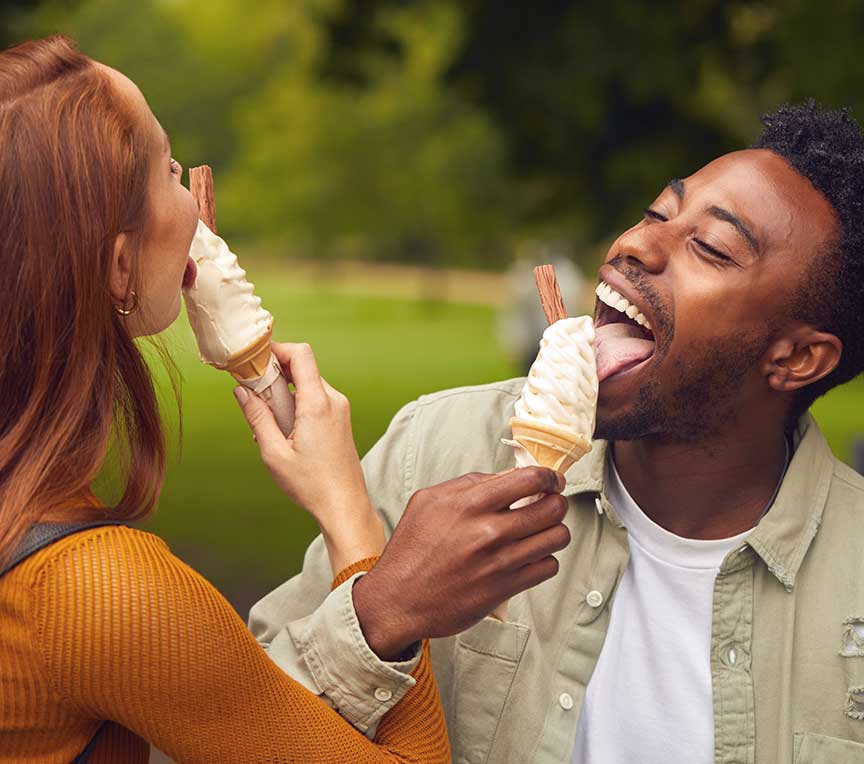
[{"x": 663, "y": 323}]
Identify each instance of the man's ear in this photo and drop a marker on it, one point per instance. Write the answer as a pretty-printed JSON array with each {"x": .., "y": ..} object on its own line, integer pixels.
[
  {"x": 121, "y": 269},
  {"x": 801, "y": 358}
]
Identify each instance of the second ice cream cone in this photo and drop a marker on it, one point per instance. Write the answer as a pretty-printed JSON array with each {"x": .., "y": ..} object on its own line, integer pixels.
[{"x": 550, "y": 446}]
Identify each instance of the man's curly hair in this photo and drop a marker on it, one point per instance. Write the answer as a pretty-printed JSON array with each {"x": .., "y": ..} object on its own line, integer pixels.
[{"x": 826, "y": 146}]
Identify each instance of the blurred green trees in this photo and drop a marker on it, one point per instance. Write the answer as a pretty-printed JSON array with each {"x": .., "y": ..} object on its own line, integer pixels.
[
  {"x": 443, "y": 131},
  {"x": 398, "y": 166},
  {"x": 399, "y": 162}
]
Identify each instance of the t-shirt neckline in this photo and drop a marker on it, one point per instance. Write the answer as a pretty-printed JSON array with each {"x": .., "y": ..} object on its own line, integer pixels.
[{"x": 706, "y": 554}]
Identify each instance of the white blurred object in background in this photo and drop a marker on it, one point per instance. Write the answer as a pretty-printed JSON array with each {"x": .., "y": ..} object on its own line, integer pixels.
[{"x": 522, "y": 321}]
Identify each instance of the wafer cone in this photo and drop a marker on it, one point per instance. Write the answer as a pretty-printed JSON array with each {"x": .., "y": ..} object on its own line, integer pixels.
[
  {"x": 552, "y": 447},
  {"x": 253, "y": 361}
]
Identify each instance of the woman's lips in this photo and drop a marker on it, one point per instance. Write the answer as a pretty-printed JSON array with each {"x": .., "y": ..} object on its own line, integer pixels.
[{"x": 190, "y": 274}]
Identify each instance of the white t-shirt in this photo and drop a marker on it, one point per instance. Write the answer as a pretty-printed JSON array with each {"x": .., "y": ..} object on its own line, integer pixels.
[{"x": 649, "y": 699}]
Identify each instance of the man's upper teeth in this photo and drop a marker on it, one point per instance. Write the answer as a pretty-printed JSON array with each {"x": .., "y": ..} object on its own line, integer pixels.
[{"x": 614, "y": 300}]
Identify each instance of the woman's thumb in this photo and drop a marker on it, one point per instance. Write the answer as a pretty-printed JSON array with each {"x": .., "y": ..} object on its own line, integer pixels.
[{"x": 259, "y": 417}]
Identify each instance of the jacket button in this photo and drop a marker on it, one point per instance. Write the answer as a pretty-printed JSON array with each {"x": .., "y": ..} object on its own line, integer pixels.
[
  {"x": 594, "y": 598},
  {"x": 565, "y": 700},
  {"x": 383, "y": 694}
]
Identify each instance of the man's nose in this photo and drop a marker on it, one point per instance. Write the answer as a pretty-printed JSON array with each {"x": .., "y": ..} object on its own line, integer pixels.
[{"x": 646, "y": 247}]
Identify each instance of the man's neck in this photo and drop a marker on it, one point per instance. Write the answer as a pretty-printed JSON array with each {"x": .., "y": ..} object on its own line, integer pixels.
[{"x": 713, "y": 489}]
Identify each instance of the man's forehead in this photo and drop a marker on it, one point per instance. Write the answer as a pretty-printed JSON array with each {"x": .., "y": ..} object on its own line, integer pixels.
[
  {"x": 761, "y": 186},
  {"x": 758, "y": 165}
]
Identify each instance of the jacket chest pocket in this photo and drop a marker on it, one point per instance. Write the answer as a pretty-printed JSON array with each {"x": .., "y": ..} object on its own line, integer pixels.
[
  {"x": 822, "y": 749},
  {"x": 485, "y": 662}
]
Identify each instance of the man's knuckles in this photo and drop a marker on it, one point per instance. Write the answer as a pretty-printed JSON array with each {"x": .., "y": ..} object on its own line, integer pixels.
[
  {"x": 486, "y": 534},
  {"x": 544, "y": 479}
]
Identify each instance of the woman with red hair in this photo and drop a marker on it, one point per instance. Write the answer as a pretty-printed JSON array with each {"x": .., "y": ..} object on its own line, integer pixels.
[{"x": 107, "y": 641}]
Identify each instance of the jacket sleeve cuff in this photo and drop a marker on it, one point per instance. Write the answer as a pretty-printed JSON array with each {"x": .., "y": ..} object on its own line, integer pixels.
[{"x": 343, "y": 667}]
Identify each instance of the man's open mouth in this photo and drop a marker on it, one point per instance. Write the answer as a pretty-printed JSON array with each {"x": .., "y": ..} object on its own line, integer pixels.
[{"x": 624, "y": 338}]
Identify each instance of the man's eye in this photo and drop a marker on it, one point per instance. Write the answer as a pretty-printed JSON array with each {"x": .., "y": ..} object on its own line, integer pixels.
[
  {"x": 712, "y": 251},
  {"x": 654, "y": 215},
  {"x": 176, "y": 168}
]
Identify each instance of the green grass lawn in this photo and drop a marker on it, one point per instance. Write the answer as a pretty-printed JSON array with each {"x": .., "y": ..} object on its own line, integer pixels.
[{"x": 221, "y": 512}]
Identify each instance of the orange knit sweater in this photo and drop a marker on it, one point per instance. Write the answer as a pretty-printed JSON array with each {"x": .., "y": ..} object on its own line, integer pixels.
[{"x": 107, "y": 624}]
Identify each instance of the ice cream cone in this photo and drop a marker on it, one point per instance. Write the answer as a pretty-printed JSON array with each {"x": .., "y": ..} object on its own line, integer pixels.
[
  {"x": 550, "y": 446},
  {"x": 258, "y": 369},
  {"x": 254, "y": 360}
]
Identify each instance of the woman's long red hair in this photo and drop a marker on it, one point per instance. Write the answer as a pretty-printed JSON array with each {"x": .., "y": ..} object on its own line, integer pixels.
[{"x": 73, "y": 174}]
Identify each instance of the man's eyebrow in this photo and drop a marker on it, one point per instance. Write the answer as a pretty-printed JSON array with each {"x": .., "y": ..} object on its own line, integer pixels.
[
  {"x": 740, "y": 226},
  {"x": 677, "y": 187}
]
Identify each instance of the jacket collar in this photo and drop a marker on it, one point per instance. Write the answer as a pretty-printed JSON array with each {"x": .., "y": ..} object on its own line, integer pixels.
[{"x": 783, "y": 536}]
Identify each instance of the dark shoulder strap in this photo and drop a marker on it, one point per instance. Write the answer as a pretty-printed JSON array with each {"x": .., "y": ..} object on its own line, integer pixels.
[
  {"x": 84, "y": 756},
  {"x": 38, "y": 537},
  {"x": 42, "y": 534}
]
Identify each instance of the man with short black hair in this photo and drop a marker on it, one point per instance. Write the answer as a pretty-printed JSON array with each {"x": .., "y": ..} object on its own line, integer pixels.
[{"x": 708, "y": 607}]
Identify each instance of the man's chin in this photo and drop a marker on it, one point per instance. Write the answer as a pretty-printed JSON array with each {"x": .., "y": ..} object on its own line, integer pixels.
[
  {"x": 627, "y": 416},
  {"x": 624, "y": 426}
]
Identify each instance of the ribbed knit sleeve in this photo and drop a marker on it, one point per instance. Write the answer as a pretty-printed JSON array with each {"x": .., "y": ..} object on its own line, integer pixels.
[
  {"x": 128, "y": 632},
  {"x": 343, "y": 575}
]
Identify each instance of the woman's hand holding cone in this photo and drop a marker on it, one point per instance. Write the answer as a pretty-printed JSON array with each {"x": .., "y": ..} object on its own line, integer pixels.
[{"x": 317, "y": 466}]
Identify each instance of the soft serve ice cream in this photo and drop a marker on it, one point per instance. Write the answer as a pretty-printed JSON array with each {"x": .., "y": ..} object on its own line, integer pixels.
[
  {"x": 231, "y": 327},
  {"x": 555, "y": 413},
  {"x": 561, "y": 389},
  {"x": 226, "y": 315}
]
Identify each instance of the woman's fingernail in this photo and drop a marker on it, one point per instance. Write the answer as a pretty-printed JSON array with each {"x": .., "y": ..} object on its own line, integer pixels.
[{"x": 241, "y": 394}]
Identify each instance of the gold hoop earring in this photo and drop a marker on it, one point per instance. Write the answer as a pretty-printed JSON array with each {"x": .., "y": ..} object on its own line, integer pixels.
[{"x": 128, "y": 311}]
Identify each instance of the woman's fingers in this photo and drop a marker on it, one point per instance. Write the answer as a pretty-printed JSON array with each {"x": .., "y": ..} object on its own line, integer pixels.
[
  {"x": 261, "y": 420},
  {"x": 298, "y": 362},
  {"x": 301, "y": 368}
]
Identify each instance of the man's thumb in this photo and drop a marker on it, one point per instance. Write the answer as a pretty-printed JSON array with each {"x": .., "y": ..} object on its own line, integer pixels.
[{"x": 259, "y": 416}]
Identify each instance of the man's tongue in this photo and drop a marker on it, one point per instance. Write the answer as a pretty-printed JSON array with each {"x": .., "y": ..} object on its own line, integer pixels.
[{"x": 619, "y": 346}]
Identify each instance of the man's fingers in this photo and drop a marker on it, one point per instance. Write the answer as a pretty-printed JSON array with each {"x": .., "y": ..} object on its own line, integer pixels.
[
  {"x": 533, "y": 518},
  {"x": 464, "y": 482},
  {"x": 533, "y": 574},
  {"x": 260, "y": 419},
  {"x": 503, "y": 490},
  {"x": 542, "y": 544}
]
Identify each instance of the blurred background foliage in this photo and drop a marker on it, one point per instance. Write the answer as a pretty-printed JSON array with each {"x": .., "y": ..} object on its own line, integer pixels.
[
  {"x": 445, "y": 132},
  {"x": 348, "y": 137}
]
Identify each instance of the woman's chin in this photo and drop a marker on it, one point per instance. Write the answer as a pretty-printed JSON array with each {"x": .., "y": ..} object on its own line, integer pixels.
[{"x": 157, "y": 322}]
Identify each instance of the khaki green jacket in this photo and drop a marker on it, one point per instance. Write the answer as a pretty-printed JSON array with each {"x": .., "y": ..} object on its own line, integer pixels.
[{"x": 786, "y": 660}]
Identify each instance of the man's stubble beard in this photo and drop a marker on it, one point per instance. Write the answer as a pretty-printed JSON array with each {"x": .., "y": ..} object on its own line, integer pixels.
[{"x": 699, "y": 405}]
